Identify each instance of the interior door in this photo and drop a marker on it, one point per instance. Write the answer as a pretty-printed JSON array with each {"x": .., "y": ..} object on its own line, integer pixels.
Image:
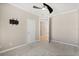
[
  {"x": 31, "y": 29},
  {"x": 44, "y": 30}
]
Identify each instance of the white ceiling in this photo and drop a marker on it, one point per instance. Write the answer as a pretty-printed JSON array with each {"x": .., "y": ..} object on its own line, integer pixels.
[{"x": 57, "y": 7}]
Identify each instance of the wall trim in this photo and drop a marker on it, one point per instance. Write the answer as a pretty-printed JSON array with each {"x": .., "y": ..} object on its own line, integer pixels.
[
  {"x": 6, "y": 50},
  {"x": 12, "y": 4},
  {"x": 65, "y": 12},
  {"x": 65, "y": 43}
]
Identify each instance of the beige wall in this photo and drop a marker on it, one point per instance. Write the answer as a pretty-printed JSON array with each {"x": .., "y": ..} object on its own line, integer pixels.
[
  {"x": 65, "y": 27},
  {"x": 11, "y": 35},
  {"x": 78, "y": 27}
]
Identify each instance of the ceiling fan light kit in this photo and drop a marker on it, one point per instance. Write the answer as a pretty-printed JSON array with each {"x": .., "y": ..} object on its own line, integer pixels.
[{"x": 43, "y": 8}]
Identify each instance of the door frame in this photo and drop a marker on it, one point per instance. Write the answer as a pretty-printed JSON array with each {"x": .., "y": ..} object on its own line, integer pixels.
[{"x": 40, "y": 28}]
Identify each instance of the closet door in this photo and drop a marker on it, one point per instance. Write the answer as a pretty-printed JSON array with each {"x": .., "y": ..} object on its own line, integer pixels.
[{"x": 31, "y": 29}]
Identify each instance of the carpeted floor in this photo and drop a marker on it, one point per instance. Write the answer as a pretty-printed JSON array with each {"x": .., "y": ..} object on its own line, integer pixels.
[{"x": 44, "y": 49}]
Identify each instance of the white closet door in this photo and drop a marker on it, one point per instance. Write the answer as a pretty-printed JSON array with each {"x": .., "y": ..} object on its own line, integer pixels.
[{"x": 31, "y": 29}]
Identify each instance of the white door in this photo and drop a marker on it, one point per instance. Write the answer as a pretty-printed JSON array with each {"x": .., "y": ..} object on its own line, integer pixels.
[
  {"x": 44, "y": 30},
  {"x": 31, "y": 30}
]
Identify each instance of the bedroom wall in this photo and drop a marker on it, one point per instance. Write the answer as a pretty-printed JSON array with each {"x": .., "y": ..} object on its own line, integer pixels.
[
  {"x": 65, "y": 27},
  {"x": 78, "y": 26},
  {"x": 12, "y": 35}
]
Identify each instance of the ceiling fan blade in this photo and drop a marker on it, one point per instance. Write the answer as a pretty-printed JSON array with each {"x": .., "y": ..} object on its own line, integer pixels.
[
  {"x": 36, "y": 7},
  {"x": 48, "y": 7}
]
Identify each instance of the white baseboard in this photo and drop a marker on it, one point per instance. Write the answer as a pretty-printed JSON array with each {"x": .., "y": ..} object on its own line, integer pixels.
[
  {"x": 6, "y": 50},
  {"x": 65, "y": 43}
]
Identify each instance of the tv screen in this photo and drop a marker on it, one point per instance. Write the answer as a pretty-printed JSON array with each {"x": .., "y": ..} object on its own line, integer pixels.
[{"x": 16, "y": 22}]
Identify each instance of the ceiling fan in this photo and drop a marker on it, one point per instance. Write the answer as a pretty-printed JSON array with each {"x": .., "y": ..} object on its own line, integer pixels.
[{"x": 44, "y": 7}]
